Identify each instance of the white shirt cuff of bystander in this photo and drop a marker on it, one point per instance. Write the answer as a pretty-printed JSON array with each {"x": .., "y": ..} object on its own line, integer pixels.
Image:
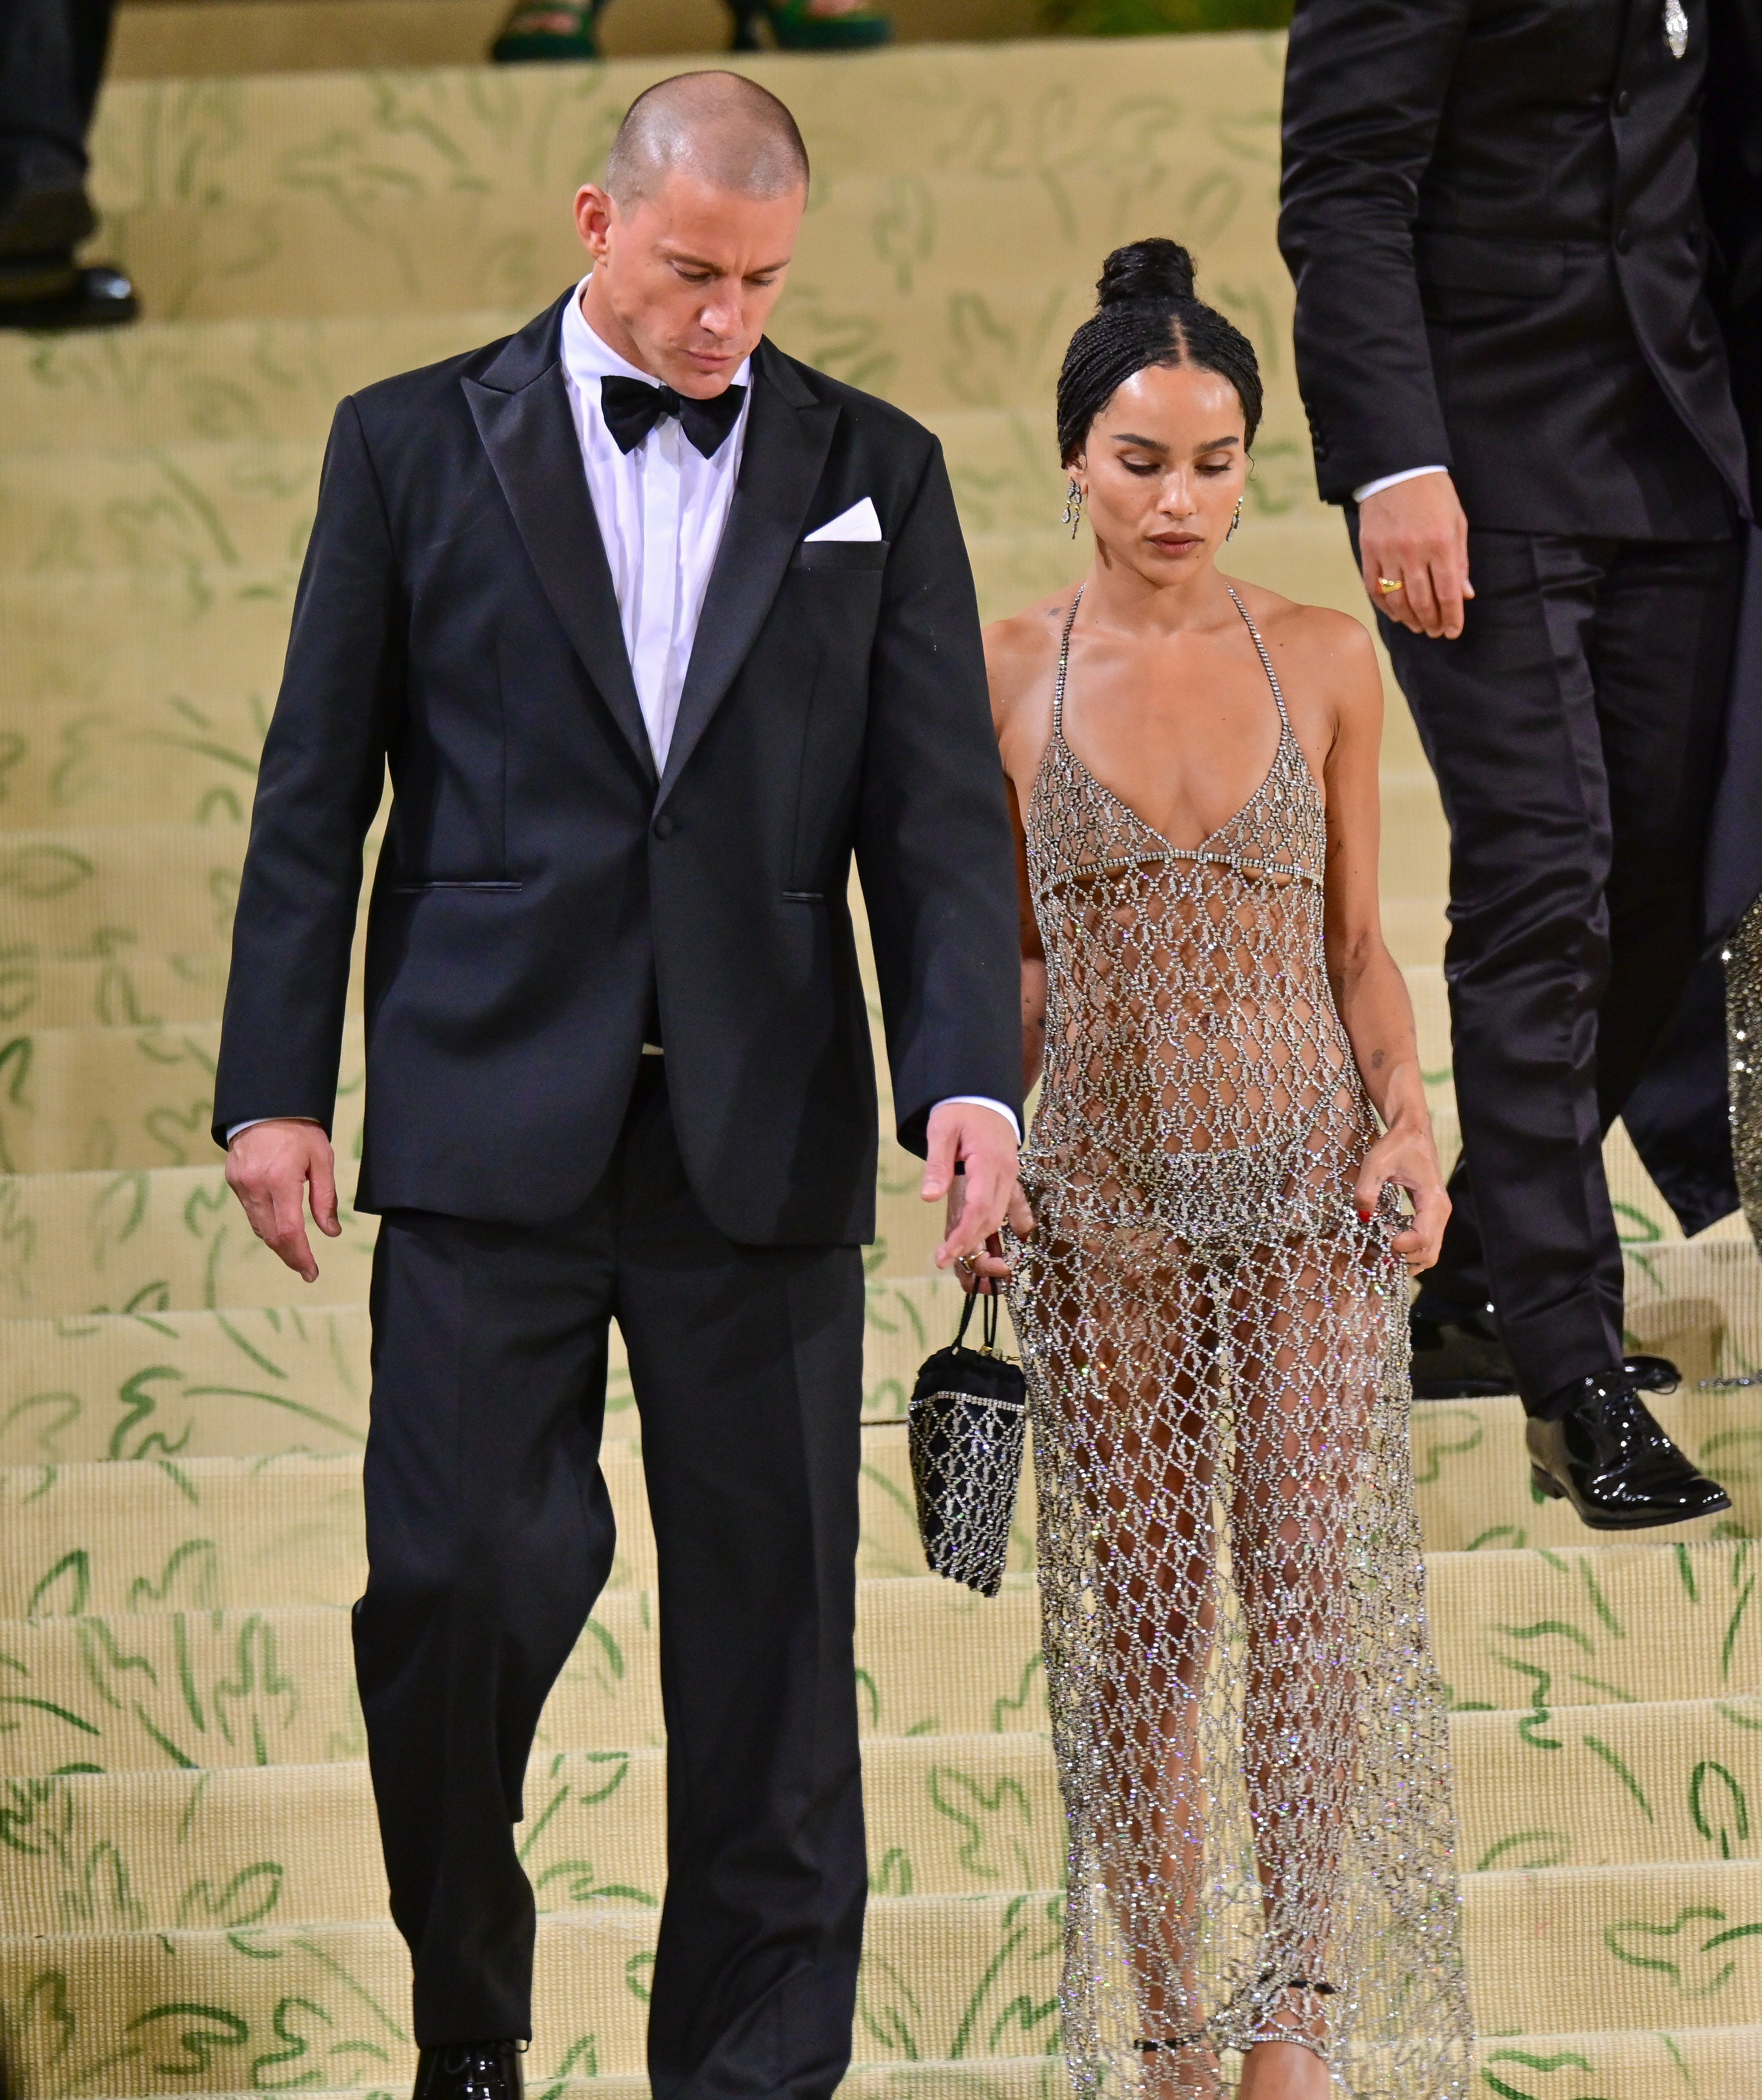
[
  {"x": 1388, "y": 481},
  {"x": 985, "y": 1101}
]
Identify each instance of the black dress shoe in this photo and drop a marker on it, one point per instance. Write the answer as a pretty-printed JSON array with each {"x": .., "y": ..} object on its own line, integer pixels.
[
  {"x": 1457, "y": 1353},
  {"x": 1608, "y": 1457},
  {"x": 65, "y": 296},
  {"x": 470, "y": 2071},
  {"x": 50, "y": 215}
]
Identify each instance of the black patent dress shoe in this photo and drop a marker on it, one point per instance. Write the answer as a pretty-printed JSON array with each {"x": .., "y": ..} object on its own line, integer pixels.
[
  {"x": 1607, "y": 1456},
  {"x": 470, "y": 2071},
  {"x": 1457, "y": 1353},
  {"x": 57, "y": 296}
]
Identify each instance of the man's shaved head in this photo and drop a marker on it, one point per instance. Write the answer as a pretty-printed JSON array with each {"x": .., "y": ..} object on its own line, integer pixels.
[{"x": 722, "y": 128}]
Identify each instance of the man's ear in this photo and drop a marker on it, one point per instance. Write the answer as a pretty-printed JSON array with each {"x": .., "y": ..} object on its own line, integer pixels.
[{"x": 596, "y": 212}]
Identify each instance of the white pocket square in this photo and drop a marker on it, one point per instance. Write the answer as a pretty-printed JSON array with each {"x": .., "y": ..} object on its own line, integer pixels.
[{"x": 859, "y": 523}]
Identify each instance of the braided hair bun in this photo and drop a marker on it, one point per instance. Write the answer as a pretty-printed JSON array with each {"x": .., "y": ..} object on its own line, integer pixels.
[
  {"x": 1154, "y": 269},
  {"x": 1147, "y": 314}
]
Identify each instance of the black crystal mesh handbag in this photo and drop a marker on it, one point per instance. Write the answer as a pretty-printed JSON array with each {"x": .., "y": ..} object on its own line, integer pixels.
[{"x": 966, "y": 1427}]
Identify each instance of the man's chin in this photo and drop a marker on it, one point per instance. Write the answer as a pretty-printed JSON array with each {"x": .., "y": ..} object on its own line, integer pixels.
[{"x": 698, "y": 382}]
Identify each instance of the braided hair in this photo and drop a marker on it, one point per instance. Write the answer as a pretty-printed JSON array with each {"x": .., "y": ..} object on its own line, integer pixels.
[{"x": 1147, "y": 315}]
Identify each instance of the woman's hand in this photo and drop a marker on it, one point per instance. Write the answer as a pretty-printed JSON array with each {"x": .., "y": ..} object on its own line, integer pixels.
[
  {"x": 1406, "y": 1156},
  {"x": 985, "y": 1271}
]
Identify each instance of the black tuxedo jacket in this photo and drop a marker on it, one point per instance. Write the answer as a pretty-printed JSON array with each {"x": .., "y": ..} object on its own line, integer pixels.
[
  {"x": 538, "y": 883},
  {"x": 1491, "y": 210}
]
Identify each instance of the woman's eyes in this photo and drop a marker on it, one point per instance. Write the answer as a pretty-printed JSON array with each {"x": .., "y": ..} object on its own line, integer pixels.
[{"x": 1145, "y": 468}]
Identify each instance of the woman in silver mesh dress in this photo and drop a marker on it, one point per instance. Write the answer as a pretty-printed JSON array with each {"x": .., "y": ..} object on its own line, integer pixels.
[{"x": 1213, "y": 1308}]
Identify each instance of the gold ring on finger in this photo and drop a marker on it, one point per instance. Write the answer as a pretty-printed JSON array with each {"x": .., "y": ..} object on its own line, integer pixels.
[{"x": 1386, "y": 584}]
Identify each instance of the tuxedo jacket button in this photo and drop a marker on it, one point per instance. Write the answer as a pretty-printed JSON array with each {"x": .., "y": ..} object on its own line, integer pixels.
[
  {"x": 1623, "y": 102},
  {"x": 663, "y": 825}
]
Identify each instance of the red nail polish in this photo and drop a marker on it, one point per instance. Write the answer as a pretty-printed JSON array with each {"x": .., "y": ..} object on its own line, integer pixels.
[{"x": 1364, "y": 1217}]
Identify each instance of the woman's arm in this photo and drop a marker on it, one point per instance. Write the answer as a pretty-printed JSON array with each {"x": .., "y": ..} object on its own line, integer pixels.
[
  {"x": 1369, "y": 991},
  {"x": 1033, "y": 963}
]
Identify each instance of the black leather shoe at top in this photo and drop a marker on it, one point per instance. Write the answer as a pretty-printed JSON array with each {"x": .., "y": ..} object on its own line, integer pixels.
[
  {"x": 1460, "y": 1357},
  {"x": 470, "y": 2071},
  {"x": 1607, "y": 1456}
]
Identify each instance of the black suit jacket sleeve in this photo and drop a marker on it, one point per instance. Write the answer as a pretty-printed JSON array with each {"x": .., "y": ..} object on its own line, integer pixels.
[
  {"x": 1364, "y": 85},
  {"x": 318, "y": 788},
  {"x": 943, "y": 924}
]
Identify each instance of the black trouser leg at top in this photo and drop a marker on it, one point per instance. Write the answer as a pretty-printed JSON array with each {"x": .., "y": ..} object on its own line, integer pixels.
[
  {"x": 490, "y": 1534},
  {"x": 52, "y": 61},
  {"x": 1573, "y": 729}
]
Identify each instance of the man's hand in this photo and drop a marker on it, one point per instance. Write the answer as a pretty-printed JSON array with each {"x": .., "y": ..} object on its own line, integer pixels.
[
  {"x": 984, "y": 1144},
  {"x": 268, "y": 1168},
  {"x": 1415, "y": 535}
]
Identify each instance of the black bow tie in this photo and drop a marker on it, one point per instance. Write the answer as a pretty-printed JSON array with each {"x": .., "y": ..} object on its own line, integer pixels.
[{"x": 632, "y": 407}]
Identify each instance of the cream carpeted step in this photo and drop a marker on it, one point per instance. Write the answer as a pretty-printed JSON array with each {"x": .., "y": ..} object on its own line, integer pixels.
[
  {"x": 1622, "y": 1624},
  {"x": 357, "y": 152},
  {"x": 156, "y": 1689},
  {"x": 895, "y": 112},
  {"x": 943, "y": 1977},
  {"x": 251, "y": 1382},
  {"x": 153, "y": 1241},
  {"x": 176, "y": 1534},
  {"x": 1667, "y": 1946},
  {"x": 1612, "y": 1625},
  {"x": 173, "y": 1532},
  {"x": 194, "y": 39},
  {"x": 174, "y": 1239},
  {"x": 947, "y": 1815},
  {"x": 1710, "y": 2063},
  {"x": 128, "y": 1097},
  {"x": 1604, "y": 1786}
]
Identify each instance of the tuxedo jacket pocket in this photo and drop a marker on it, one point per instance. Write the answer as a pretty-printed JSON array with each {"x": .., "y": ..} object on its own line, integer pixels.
[
  {"x": 424, "y": 888},
  {"x": 842, "y": 555}
]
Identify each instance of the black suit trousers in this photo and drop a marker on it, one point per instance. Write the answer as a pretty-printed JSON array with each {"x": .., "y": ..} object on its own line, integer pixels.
[
  {"x": 52, "y": 61},
  {"x": 1574, "y": 729},
  {"x": 490, "y": 1534}
]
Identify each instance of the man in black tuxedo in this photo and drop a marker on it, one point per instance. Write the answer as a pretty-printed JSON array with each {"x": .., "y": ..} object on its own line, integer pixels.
[
  {"x": 1511, "y": 370},
  {"x": 655, "y": 628}
]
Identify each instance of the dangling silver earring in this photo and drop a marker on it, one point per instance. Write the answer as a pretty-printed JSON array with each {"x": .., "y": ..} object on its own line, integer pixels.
[
  {"x": 1073, "y": 512},
  {"x": 1236, "y": 521}
]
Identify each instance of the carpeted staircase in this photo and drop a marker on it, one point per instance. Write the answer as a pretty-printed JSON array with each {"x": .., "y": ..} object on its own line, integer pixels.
[{"x": 191, "y": 1897}]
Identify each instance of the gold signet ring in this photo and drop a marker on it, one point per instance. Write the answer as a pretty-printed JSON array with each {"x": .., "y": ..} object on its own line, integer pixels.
[{"x": 1389, "y": 584}]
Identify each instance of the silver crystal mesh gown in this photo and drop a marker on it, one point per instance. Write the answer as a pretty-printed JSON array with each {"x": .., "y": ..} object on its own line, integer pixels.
[{"x": 1250, "y": 1735}]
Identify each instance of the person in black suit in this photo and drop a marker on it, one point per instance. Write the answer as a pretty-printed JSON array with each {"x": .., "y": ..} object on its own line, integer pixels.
[
  {"x": 656, "y": 628},
  {"x": 1512, "y": 372},
  {"x": 52, "y": 60}
]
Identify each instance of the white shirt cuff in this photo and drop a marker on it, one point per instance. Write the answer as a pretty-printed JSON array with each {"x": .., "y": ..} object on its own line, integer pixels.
[
  {"x": 254, "y": 1121},
  {"x": 985, "y": 1101},
  {"x": 1388, "y": 481}
]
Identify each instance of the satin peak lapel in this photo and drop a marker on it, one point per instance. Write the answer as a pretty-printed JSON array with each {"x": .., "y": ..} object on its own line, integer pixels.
[
  {"x": 788, "y": 435},
  {"x": 530, "y": 436}
]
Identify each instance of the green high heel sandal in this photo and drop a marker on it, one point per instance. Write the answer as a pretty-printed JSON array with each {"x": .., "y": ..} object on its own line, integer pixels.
[
  {"x": 811, "y": 25},
  {"x": 551, "y": 31}
]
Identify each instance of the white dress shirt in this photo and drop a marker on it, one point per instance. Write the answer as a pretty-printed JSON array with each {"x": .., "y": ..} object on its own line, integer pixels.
[
  {"x": 1388, "y": 481},
  {"x": 662, "y": 509}
]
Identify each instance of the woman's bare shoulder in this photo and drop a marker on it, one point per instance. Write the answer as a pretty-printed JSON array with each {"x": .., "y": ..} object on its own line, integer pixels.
[
  {"x": 1020, "y": 652},
  {"x": 1328, "y": 651}
]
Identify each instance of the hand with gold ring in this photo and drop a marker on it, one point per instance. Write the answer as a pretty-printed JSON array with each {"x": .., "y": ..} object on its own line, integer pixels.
[{"x": 1413, "y": 551}]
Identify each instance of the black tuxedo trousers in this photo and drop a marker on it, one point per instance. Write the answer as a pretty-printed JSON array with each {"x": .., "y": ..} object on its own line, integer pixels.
[
  {"x": 1575, "y": 728},
  {"x": 490, "y": 1534}
]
